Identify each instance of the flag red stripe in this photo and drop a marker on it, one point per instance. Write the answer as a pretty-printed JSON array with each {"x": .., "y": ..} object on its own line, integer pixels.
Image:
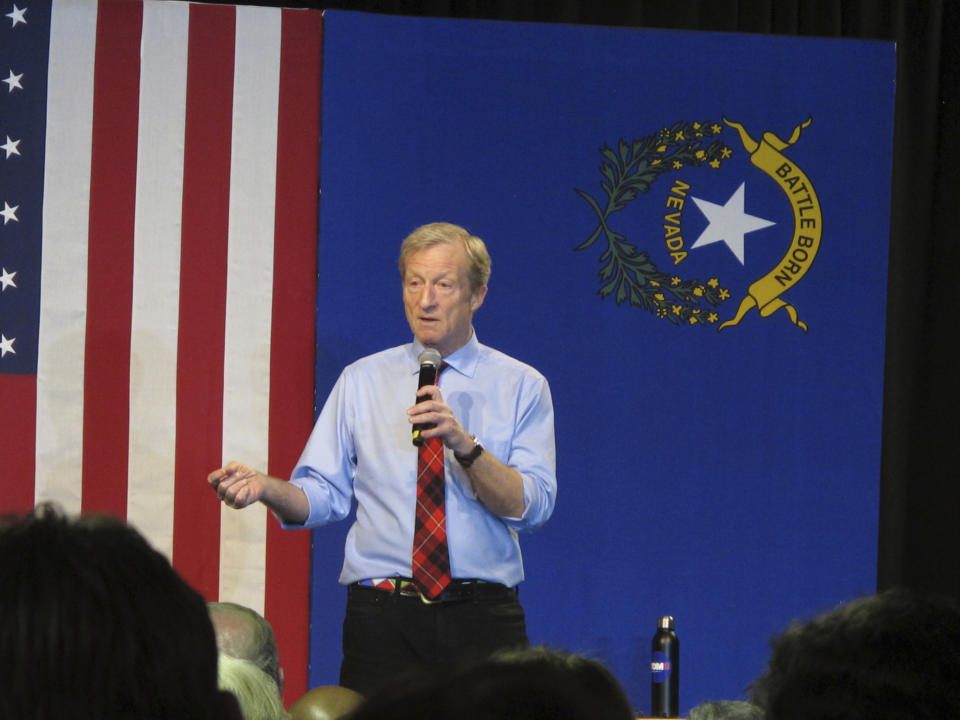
[
  {"x": 18, "y": 430},
  {"x": 110, "y": 260},
  {"x": 203, "y": 269},
  {"x": 293, "y": 331}
]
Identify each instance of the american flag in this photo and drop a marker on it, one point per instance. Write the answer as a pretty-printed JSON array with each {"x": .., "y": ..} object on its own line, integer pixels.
[{"x": 159, "y": 194}]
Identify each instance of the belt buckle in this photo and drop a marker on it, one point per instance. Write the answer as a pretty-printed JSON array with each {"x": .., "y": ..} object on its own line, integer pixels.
[
  {"x": 427, "y": 601},
  {"x": 411, "y": 589},
  {"x": 406, "y": 588}
]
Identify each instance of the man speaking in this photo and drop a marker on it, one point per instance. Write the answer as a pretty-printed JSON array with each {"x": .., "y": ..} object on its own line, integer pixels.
[{"x": 442, "y": 487}]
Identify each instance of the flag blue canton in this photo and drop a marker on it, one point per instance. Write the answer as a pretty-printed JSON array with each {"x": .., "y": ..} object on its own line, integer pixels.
[{"x": 24, "y": 42}]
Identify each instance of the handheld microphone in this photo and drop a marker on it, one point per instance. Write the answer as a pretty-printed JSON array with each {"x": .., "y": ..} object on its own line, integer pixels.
[{"x": 429, "y": 368}]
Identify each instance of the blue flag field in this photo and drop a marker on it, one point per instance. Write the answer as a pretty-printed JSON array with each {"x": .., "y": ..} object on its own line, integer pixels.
[{"x": 689, "y": 237}]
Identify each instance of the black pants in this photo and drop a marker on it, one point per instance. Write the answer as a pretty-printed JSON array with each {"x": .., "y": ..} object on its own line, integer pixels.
[{"x": 385, "y": 634}]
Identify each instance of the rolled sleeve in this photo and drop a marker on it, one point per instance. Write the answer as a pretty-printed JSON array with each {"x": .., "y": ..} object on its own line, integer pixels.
[
  {"x": 327, "y": 465},
  {"x": 533, "y": 455}
]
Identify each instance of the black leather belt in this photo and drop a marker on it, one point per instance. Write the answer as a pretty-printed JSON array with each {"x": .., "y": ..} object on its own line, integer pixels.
[{"x": 456, "y": 591}]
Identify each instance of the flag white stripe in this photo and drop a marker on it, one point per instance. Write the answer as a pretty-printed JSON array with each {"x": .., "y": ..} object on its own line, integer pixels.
[
  {"x": 156, "y": 271},
  {"x": 63, "y": 282},
  {"x": 249, "y": 291}
]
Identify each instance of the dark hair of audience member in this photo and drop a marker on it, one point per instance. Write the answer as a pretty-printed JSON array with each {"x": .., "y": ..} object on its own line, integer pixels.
[
  {"x": 543, "y": 688},
  {"x": 895, "y": 655},
  {"x": 95, "y": 624},
  {"x": 605, "y": 693}
]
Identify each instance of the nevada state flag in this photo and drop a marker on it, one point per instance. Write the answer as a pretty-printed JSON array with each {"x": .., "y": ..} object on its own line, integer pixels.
[{"x": 689, "y": 239}]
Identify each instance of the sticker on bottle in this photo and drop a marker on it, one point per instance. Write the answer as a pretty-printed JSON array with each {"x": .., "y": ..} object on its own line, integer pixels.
[{"x": 660, "y": 667}]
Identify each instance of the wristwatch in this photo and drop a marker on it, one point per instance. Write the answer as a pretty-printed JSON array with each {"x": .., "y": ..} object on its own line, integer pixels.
[{"x": 467, "y": 460}]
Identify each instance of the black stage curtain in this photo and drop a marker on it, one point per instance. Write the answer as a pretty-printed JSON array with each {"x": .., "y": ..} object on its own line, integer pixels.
[{"x": 919, "y": 543}]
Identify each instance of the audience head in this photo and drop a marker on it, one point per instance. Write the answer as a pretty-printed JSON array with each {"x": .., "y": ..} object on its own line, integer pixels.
[
  {"x": 895, "y": 655},
  {"x": 541, "y": 689},
  {"x": 725, "y": 710},
  {"x": 597, "y": 683},
  {"x": 243, "y": 633},
  {"x": 327, "y": 702},
  {"x": 256, "y": 691},
  {"x": 94, "y": 623}
]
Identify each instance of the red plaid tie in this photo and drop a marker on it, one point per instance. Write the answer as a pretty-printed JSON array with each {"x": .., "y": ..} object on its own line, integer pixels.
[{"x": 431, "y": 562}]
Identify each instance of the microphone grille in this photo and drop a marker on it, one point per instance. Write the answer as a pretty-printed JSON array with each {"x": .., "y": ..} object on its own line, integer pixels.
[{"x": 430, "y": 356}]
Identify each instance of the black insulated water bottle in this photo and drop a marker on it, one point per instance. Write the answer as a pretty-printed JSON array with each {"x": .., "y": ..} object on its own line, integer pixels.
[{"x": 665, "y": 671}]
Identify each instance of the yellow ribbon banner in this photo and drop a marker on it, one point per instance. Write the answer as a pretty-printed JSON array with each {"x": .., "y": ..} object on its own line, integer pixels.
[{"x": 765, "y": 293}]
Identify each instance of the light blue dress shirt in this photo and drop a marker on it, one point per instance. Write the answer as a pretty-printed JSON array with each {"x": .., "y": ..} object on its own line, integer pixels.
[{"x": 361, "y": 448}]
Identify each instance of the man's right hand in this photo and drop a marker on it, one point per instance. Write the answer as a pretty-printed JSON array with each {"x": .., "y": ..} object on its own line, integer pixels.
[{"x": 237, "y": 485}]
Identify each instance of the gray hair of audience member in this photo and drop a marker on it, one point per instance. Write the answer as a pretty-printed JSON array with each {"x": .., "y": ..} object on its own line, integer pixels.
[
  {"x": 725, "y": 710},
  {"x": 442, "y": 233},
  {"x": 95, "y": 623},
  {"x": 894, "y": 655},
  {"x": 257, "y": 692},
  {"x": 244, "y": 633},
  {"x": 607, "y": 696}
]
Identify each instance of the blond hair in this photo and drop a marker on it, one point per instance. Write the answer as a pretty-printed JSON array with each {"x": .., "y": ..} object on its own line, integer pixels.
[
  {"x": 256, "y": 692},
  {"x": 442, "y": 233}
]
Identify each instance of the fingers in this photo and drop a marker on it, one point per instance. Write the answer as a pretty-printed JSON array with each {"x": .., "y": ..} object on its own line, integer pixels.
[
  {"x": 223, "y": 477},
  {"x": 432, "y": 410},
  {"x": 238, "y": 495},
  {"x": 430, "y": 413},
  {"x": 429, "y": 392},
  {"x": 226, "y": 471},
  {"x": 444, "y": 424},
  {"x": 236, "y": 484},
  {"x": 429, "y": 399}
]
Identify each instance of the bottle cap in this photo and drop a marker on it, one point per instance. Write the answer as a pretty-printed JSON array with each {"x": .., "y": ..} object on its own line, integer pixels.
[{"x": 665, "y": 622}]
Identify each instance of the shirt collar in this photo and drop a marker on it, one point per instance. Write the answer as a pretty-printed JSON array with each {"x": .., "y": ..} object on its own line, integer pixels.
[{"x": 464, "y": 360}]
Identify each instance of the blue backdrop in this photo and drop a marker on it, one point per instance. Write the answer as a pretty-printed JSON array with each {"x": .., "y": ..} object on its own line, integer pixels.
[{"x": 727, "y": 477}]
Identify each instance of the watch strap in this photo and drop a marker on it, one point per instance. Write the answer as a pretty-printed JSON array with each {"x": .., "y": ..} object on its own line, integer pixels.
[{"x": 466, "y": 460}]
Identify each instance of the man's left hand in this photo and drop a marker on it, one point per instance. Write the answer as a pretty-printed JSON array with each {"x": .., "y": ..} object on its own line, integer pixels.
[{"x": 432, "y": 409}]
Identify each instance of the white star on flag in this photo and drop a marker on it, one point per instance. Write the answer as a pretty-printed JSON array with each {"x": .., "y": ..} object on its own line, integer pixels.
[
  {"x": 6, "y": 279},
  {"x": 728, "y": 223},
  {"x": 13, "y": 81},
  {"x": 11, "y": 147},
  {"x": 9, "y": 213},
  {"x": 16, "y": 16},
  {"x": 6, "y": 345}
]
